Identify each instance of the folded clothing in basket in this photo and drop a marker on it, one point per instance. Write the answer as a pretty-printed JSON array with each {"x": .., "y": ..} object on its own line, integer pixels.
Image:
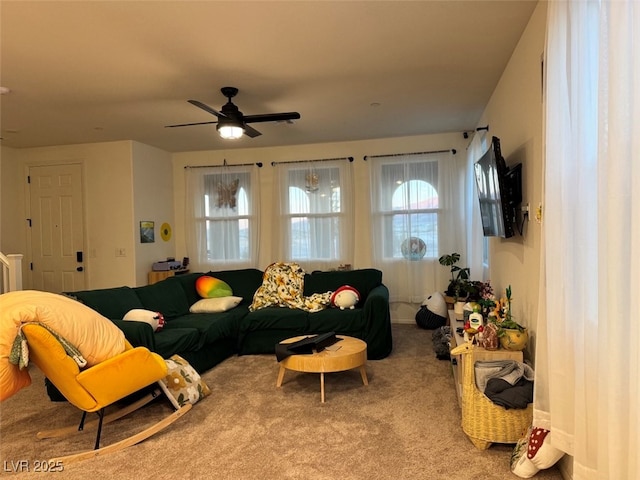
[{"x": 505, "y": 382}]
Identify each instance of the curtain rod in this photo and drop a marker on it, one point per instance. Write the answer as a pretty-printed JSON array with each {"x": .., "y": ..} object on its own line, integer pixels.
[
  {"x": 225, "y": 164},
  {"x": 273, "y": 164},
  {"x": 367, "y": 157}
]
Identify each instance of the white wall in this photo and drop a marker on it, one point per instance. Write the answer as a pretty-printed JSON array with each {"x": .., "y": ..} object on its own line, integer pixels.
[
  {"x": 108, "y": 206},
  {"x": 515, "y": 115},
  {"x": 152, "y": 200},
  {"x": 12, "y": 217}
]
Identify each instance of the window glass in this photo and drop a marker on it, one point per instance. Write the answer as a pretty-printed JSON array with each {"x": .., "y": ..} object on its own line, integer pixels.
[
  {"x": 226, "y": 216},
  {"x": 316, "y": 213},
  {"x": 314, "y": 210},
  {"x": 410, "y": 205}
]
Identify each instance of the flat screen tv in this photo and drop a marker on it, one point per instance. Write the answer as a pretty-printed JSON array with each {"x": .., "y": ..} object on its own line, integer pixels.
[{"x": 499, "y": 191}]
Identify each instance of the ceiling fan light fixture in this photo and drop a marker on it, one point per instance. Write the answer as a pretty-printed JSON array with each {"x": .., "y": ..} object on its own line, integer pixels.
[
  {"x": 230, "y": 130},
  {"x": 232, "y": 124}
]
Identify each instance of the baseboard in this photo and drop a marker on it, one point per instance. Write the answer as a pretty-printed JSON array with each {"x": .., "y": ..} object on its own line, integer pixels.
[{"x": 403, "y": 321}]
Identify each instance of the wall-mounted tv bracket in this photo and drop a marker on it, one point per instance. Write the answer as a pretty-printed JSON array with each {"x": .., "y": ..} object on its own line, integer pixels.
[{"x": 524, "y": 210}]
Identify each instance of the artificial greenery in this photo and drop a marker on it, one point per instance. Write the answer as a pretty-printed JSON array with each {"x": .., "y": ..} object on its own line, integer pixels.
[{"x": 502, "y": 316}]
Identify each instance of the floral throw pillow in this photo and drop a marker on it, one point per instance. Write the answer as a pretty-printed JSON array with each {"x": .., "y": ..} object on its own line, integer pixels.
[{"x": 182, "y": 384}]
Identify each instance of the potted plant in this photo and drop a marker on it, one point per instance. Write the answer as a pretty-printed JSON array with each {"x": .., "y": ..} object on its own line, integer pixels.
[
  {"x": 512, "y": 335},
  {"x": 459, "y": 285}
]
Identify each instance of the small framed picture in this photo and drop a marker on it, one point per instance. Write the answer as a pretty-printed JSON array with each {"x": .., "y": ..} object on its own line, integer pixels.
[{"x": 147, "y": 232}]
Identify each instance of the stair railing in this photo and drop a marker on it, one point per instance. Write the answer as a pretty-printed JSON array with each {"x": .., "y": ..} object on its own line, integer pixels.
[{"x": 11, "y": 272}]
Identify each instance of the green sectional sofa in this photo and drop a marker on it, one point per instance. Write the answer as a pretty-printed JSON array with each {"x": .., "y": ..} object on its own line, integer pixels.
[{"x": 206, "y": 339}]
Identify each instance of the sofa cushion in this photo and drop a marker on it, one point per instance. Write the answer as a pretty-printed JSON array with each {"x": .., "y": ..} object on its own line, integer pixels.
[
  {"x": 138, "y": 334},
  {"x": 244, "y": 282},
  {"x": 276, "y": 318},
  {"x": 211, "y": 327},
  {"x": 164, "y": 297},
  {"x": 174, "y": 340},
  {"x": 188, "y": 283},
  {"x": 363, "y": 280},
  {"x": 336, "y": 320},
  {"x": 112, "y": 303}
]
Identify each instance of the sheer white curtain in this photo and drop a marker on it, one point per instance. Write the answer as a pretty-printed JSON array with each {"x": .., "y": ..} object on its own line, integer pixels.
[
  {"x": 588, "y": 355},
  {"x": 417, "y": 215},
  {"x": 475, "y": 238},
  {"x": 222, "y": 217},
  {"x": 315, "y": 227}
]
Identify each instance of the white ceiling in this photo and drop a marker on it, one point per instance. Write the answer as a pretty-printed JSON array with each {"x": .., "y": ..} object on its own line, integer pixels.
[{"x": 92, "y": 71}]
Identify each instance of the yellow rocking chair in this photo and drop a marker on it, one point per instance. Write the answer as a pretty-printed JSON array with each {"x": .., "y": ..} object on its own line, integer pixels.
[{"x": 95, "y": 388}]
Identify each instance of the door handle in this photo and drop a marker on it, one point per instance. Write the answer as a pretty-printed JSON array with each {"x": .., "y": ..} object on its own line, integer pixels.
[
  {"x": 79, "y": 257},
  {"x": 80, "y": 269}
]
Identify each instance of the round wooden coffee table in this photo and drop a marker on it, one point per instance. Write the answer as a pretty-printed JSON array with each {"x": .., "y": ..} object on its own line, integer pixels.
[{"x": 346, "y": 354}]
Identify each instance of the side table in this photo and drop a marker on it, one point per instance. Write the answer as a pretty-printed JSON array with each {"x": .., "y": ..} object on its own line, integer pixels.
[{"x": 347, "y": 354}]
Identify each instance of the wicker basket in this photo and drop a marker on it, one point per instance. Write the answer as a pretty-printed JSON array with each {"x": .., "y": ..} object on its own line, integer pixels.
[{"x": 483, "y": 421}]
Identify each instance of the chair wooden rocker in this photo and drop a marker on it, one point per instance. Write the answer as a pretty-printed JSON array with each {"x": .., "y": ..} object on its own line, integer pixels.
[{"x": 95, "y": 388}]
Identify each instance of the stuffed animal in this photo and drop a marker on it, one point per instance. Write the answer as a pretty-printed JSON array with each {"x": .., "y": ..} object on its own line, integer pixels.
[
  {"x": 534, "y": 453},
  {"x": 345, "y": 297},
  {"x": 436, "y": 304},
  {"x": 441, "y": 338},
  {"x": 433, "y": 312},
  {"x": 155, "y": 319}
]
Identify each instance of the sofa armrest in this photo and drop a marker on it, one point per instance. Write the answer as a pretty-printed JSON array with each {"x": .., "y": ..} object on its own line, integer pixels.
[
  {"x": 139, "y": 334},
  {"x": 378, "y": 331}
]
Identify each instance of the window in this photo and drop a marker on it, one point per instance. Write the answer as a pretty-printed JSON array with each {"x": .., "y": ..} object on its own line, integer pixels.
[
  {"x": 409, "y": 210},
  {"x": 316, "y": 226},
  {"x": 226, "y": 217},
  {"x": 477, "y": 258},
  {"x": 416, "y": 217},
  {"x": 223, "y": 222}
]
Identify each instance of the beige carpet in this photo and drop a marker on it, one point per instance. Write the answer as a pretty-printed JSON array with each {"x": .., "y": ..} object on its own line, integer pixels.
[{"x": 404, "y": 425}]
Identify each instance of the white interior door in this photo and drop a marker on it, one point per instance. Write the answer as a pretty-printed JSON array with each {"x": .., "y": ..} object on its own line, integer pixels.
[{"x": 57, "y": 229}]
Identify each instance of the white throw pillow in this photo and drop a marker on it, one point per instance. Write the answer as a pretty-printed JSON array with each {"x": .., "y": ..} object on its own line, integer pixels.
[
  {"x": 155, "y": 319},
  {"x": 214, "y": 305}
]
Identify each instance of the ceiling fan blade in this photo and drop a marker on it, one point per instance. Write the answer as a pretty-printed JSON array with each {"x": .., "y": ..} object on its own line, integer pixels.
[
  {"x": 206, "y": 108},
  {"x": 188, "y": 124},
  {"x": 251, "y": 132},
  {"x": 271, "y": 117}
]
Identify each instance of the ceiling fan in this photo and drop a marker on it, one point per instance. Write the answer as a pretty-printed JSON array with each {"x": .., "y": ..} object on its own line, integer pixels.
[{"x": 231, "y": 123}]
